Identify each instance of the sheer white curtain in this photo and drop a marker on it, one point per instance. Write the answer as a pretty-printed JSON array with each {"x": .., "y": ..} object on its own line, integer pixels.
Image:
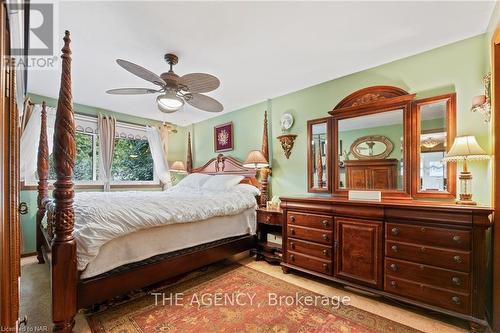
[
  {"x": 30, "y": 139},
  {"x": 107, "y": 129},
  {"x": 159, "y": 157}
]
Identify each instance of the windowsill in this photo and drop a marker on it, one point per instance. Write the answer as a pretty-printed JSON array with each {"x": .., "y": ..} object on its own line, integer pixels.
[{"x": 91, "y": 186}]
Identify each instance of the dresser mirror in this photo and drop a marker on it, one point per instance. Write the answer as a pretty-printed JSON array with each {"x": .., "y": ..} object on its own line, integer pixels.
[
  {"x": 318, "y": 155},
  {"x": 371, "y": 132},
  {"x": 374, "y": 157},
  {"x": 435, "y": 131}
]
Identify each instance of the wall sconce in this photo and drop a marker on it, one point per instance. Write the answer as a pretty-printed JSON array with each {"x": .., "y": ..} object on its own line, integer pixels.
[
  {"x": 482, "y": 103},
  {"x": 287, "y": 141}
]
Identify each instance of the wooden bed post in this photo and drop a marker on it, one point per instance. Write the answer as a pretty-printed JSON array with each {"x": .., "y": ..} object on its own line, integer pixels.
[
  {"x": 64, "y": 268},
  {"x": 189, "y": 159},
  {"x": 265, "y": 172},
  {"x": 43, "y": 175}
]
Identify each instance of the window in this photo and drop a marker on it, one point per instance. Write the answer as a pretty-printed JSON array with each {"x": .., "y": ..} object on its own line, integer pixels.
[{"x": 132, "y": 159}]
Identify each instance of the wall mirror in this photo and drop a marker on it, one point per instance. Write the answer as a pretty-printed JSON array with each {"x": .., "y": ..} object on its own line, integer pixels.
[
  {"x": 371, "y": 132},
  {"x": 435, "y": 119},
  {"x": 318, "y": 155}
]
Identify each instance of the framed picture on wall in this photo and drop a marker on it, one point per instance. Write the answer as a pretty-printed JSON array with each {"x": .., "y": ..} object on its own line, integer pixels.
[{"x": 223, "y": 137}]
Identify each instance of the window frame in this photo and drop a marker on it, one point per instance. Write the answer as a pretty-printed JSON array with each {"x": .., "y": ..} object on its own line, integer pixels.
[{"x": 88, "y": 126}]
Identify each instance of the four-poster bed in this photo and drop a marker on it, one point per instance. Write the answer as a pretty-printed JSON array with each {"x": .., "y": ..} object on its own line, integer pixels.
[{"x": 55, "y": 223}]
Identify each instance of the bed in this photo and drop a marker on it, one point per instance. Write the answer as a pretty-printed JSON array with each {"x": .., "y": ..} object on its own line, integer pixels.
[{"x": 91, "y": 240}]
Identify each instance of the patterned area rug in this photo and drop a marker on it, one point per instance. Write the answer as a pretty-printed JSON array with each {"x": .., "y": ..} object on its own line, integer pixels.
[{"x": 238, "y": 299}]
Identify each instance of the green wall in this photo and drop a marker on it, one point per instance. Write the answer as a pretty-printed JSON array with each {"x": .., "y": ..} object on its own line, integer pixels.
[
  {"x": 177, "y": 151},
  {"x": 456, "y": 67}
]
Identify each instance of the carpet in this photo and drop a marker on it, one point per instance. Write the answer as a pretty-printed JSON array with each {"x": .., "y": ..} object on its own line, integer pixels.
[{"x": 238, "y": 299}]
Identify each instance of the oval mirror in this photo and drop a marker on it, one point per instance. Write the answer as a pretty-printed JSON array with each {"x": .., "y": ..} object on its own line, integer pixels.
[{"x": 372, "y": 147}]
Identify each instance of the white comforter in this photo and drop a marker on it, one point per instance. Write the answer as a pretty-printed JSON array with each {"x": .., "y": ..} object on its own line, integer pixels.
[{"x": 103, "y": 216}]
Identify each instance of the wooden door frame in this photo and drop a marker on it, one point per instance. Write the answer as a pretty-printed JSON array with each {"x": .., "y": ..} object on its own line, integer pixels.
[{"x": 9, "y": 184}]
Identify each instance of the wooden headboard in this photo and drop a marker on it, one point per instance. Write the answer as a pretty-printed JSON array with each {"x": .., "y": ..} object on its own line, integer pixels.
[{"x": 228, "y": 165}]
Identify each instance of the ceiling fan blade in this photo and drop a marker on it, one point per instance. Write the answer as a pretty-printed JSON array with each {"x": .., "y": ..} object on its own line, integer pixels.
[
  {"x": 131, "y": 91},
  {"x": 205, "y": 103},
  {"x": 200, "y": 82},
  {"x": 141, "y": 72}
]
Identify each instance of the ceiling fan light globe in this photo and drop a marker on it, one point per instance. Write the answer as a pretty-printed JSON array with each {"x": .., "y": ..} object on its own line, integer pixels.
[{"x": 169, "y": 103}]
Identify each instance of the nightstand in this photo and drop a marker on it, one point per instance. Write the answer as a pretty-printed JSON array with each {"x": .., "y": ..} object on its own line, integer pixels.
[{"x": 269, "y": 222}]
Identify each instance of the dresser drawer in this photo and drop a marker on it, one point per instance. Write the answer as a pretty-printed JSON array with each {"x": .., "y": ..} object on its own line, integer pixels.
[
  {"x": 307, "y": 262},
  {"x": 435, "y": 256},
  {"x": 314, "y": 235},
  {"x": 430, "y": 275},
  {"x": 450, "y": 300},
  {"x": 268, "y": 218},
  {"x": 441, "y": 237},
  {"x": 310, "y": 220},
  {"x": 312, "y": 249}
]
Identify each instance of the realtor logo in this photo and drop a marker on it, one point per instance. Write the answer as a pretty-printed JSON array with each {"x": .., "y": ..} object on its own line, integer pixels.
[{"x": 41, "y": 28}]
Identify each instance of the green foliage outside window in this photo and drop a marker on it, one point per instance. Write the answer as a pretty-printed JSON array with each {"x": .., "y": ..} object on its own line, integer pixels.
[{"x": 132, "y": 160}]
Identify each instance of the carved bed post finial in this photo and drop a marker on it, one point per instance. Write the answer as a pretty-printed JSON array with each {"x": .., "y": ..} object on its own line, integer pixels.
[
  {"x": 43, "y": 175},
  {"x": 64, "y": 269},
  {"x": 264, "y": 172},
  {"x": 265, "y": 139},
  {"x": 189, "y": 159}
]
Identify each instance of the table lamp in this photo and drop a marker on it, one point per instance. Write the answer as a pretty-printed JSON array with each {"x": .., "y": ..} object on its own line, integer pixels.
[
  {"x": 255, "y": 160},
  {"x": 465, "y": 148},
  {"x": 177, "y": 167}
]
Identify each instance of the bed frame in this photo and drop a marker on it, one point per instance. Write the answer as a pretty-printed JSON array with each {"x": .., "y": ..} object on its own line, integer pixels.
[{"x": 56, "y": 245}]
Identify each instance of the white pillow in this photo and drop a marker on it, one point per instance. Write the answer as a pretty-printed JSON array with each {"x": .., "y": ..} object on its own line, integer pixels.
[
  {"x": 194, "y": 180},
  {"x": 222, "y": 182},
  {"x": 248, "y": 188}
]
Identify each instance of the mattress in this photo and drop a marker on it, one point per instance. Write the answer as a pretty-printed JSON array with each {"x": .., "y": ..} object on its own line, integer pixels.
[{"x": 145, "y": 243}]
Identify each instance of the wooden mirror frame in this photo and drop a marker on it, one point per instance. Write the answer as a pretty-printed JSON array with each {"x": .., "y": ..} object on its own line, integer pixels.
[
  {"x": 310, "y": 166},
  {"x": 373, "y": 100},
  {"x": 451, "y": 126}
]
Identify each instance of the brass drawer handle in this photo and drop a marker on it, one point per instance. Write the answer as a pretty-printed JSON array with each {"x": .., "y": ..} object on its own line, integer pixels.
[
  {"x": 423, "y": 229},
  {"x": 393, "y": 267},
  {"x": 325, "y": 236},
  {"x": 268, "y": 218},
  {"x": 292, "y": 245},
  {"x": 395, "y": 231},
  {"x": 457, "y": 239},
  {"x": 292, "y": 219},
  {"x": 456, "y": 281},
  {"x": 325, "y": 223},
  {"x": 455, "y": 300},
  {"x": 325, "y": 267},
  {"x": 292, "y": 257},
  {"x": 457, "y": 259},
  {"x": 292, "y": 231},
  {"x": 325, "y": 253},
  {"x": 394, "y": 248},
  {"x": 394, "y": 284}
]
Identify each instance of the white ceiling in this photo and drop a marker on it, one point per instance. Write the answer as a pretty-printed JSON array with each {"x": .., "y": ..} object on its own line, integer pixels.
[{"x": 259, "y": 50}]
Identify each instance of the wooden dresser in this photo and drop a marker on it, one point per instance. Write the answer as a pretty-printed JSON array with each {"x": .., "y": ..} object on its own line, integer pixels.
[
  {"x": 426, "y": 254},
  {"x": 372, "y": 174}
]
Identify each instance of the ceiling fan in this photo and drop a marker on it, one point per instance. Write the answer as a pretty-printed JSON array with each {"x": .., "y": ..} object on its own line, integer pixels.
[{"x": 174, "y": 90}]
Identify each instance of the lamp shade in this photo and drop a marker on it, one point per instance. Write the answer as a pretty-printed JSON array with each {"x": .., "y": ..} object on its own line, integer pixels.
[
  {"x": 255, "y": 160},
  {"x": 178, "y": 166},
  {"x": 465, "y": 148}
]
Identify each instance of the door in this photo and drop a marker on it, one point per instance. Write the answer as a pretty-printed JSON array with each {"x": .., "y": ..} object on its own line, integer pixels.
[
  {"x": 381, "y": 178},
  {"x": 9, "y": 183},
  {"x": 358, "y": 251}
]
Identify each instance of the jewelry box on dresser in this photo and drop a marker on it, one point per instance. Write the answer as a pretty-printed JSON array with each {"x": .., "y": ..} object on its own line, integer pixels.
[{"x": 431, "y": 254}]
